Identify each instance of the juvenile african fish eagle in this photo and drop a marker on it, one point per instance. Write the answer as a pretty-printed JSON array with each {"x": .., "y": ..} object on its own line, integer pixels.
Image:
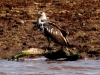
[{"x": 51, "y": 31}]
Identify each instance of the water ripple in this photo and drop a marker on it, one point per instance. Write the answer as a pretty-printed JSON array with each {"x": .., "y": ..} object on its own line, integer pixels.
[{"x": 41, "y": 66}]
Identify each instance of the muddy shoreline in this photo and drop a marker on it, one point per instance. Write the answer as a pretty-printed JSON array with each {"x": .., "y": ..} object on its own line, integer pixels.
[{"x": 80, "y": 19}]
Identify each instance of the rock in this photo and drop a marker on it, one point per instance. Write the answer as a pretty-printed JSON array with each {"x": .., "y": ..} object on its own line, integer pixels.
[{"x": 52, "y": 55}]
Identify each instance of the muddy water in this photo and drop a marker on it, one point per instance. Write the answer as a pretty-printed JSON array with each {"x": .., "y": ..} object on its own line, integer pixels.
[{"x": 41, "y": 66}]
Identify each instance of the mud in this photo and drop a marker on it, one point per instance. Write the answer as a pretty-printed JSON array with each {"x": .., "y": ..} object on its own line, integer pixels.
[{"x": 80, "y": 19}]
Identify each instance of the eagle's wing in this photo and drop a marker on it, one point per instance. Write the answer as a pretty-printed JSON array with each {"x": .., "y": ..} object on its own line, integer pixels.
[
  {"x": 62, "y": 31},
  {"x": 55, "y": 33}
]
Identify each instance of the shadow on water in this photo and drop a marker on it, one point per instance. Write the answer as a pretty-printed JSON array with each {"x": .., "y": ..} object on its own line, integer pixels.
[{"x": 41, "y": 66}]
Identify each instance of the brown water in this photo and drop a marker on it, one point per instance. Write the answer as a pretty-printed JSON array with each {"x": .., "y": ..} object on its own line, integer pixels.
[{"x": 41, "y": 66}]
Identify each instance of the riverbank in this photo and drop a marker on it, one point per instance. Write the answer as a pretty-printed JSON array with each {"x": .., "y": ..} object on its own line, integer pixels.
[{"x": 80, "y": 19}]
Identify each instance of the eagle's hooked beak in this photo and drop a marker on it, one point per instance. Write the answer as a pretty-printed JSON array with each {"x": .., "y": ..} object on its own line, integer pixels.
[
  {"x": 39, "y": 14},
  {"x": 42, "y": 15}
]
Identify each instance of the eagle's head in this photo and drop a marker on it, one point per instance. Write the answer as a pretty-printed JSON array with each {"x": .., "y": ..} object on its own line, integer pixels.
[
  {"x": 42, "y": 15},
  {"x": 41, "y": 20}
]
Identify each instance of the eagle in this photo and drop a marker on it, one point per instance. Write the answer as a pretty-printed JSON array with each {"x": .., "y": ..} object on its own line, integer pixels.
[{"x": 51, "y": 31}]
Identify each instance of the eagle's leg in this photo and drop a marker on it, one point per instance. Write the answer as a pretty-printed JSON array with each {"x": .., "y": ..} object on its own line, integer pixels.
[
  {"x": 48, "y": 43},
  {"x": 47, "y": 48}
]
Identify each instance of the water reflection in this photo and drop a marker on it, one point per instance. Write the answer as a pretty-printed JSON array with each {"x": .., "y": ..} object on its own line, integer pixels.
[{"x": 41, "y": 66}]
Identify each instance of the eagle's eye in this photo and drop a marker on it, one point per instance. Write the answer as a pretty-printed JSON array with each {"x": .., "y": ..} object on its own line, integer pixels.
[
  {"x": 42, "y": 20},
  {"x": 40, "y": 12}
]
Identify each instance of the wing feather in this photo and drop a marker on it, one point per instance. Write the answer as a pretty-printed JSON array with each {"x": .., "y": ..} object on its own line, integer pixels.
[
  {"x": 55, "y": 33},
  {"x": 62, "y": 31}
]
